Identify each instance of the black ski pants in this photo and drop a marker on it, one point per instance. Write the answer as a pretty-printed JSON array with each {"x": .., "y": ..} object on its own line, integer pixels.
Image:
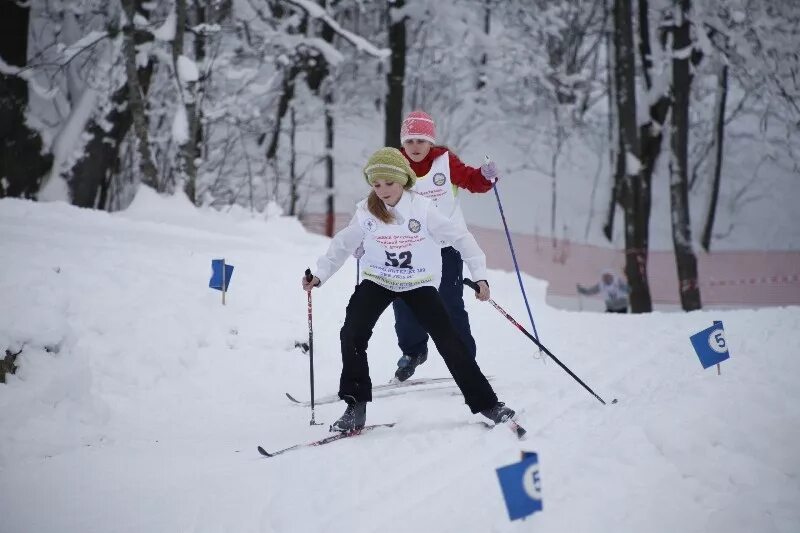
[{"x": 367, "y": 304}]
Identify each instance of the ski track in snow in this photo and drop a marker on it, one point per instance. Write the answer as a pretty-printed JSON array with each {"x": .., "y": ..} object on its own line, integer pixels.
[{"x": 148, "y": 415}]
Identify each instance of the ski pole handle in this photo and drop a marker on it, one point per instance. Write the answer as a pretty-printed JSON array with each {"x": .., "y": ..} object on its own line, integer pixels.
[
  {"x": 472, "y": 285},
  {"x": 479, "y": 294},
  {"x": 308, "y": 279},
  {"x": 486, "y": 162}
]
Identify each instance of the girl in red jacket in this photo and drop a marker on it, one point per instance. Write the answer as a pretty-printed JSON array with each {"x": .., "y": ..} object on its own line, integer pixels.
[{"x": 440, "y": 173}]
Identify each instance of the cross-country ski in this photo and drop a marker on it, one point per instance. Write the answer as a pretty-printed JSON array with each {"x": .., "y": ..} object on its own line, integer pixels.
[
  {"x": 388, "y": 389},
  {"x": 326, "y": 440}
]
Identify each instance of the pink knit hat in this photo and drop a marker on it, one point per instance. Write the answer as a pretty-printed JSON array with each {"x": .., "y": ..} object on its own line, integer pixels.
[{"x": 418, "y": 125}]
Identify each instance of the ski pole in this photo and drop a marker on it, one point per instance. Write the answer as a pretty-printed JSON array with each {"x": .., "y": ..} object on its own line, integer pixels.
[
  {"x": 309, "y": 277},
  {"x": 474, "y": 286},
  {"x": 514, "y": 256}
]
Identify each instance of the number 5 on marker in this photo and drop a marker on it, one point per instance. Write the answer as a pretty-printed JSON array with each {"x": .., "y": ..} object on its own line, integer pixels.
[{"x": 710, "y": 345}]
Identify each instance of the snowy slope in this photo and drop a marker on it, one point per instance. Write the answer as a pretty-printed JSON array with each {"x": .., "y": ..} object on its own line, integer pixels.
[{"x": 140, "y": 399}]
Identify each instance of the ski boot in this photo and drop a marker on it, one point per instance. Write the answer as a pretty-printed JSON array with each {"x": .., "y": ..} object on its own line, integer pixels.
[
  {"x": 499, "y": 413},
  {"x": 354, "y": 417},
  {"x": 407, "y": 364}
]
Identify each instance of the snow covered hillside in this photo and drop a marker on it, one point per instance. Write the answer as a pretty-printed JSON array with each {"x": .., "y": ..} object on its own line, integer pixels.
[{"x": 140, "y": 399}]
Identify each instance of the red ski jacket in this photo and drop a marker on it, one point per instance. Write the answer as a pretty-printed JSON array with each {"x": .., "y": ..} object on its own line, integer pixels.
[{"x": 461, "y": 175}]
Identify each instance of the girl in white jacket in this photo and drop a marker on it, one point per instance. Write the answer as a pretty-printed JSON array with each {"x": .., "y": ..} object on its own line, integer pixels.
[{"x": 401, "y": 232}]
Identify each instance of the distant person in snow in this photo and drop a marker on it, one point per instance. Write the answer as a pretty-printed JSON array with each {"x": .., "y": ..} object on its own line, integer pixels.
[
  {"x": 401, "y": 234},
  {"x": 439, "y": 174},
  {"x": 615, "y": 292}
]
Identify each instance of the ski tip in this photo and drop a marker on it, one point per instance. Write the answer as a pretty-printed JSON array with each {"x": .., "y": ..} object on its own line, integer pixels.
[
  {"x": 264, "y": 452},
  {"x": 512, "y": 424},
  {"x": 614, "y": 401},
  {"x": 517, "y": 429},
  {"x": 292, "y": 398}
]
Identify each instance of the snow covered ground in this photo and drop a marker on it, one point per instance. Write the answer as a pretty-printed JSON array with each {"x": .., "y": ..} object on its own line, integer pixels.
[{"x": 140, "y": 399}]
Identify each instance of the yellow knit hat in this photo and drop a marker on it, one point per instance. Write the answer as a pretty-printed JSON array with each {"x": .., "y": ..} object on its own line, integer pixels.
[{"x": 389, "y": 164}]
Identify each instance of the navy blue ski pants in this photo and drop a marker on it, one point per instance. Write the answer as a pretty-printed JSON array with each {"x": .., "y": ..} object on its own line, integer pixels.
[{"x": 411, "y": 336}]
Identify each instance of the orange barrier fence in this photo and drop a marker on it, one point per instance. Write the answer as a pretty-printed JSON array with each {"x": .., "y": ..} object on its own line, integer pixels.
[{"x": 727, "y": 278}]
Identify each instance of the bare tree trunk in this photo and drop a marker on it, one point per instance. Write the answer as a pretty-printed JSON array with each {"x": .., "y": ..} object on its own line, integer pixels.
[
  {"x": 136, "y": 99},
  {"x": 679, "y": 179},
  {"x": 190, "y": 153},
  {"x": 91, "y": 175},
  {"x": 327, "y": 87},
  {"x": 249, "y": 170},
  {"x": 293, "y": 196},
  {"x": 651, "y": 133},
  {"x": 330, "y": 214},
  {"x": 635, "y": 223},
  {"x": 188, "y": 150},
  {"x": 487, "y": 19},
  {"x": 719, "y": 136},
  {"x": 22, "y": 163},
  {"x": 100, "y": 157},
  {"x": 205, "y": 12},
  {"x": 644, "y": 43},
  {"x": 395, "y": 78},
  {"x": 287, "y": 94},
  {"x": 615, "y": 162},
  {"x": 316, "y": 71},
  {"x": 554, "y": 156}
]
